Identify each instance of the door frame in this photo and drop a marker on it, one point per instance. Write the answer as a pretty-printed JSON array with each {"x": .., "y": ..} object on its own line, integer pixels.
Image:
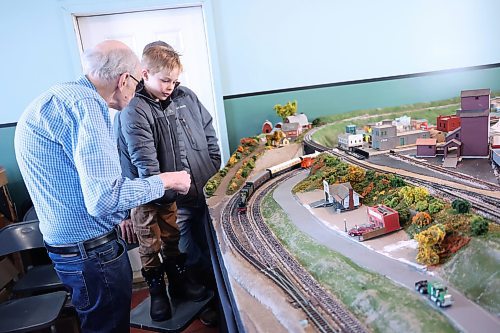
[{"x": 72, "y": 9}]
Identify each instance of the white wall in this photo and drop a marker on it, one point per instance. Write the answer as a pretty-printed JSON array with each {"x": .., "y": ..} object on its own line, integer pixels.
[
  {"x": 275, "y": 44},
  {"x": 267, "y": 44}
]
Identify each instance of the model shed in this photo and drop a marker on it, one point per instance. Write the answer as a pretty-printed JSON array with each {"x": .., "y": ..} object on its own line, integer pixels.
[
  {"x": 426, "y": 147},
  {"x": 383, "y": 217},
  {"x": 342, "y": 196}
]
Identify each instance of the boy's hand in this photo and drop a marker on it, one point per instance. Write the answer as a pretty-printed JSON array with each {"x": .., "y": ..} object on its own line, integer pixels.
[{"x": 127, "y": 231}]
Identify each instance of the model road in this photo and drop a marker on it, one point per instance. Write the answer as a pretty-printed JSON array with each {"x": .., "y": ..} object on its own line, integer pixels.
[{"x": 467, "y": 315}]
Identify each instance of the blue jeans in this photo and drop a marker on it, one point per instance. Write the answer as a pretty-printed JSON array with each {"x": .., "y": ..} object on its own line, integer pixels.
[
  {"x": 193, "y": 242},
  {"x": 100, "y": 281}
]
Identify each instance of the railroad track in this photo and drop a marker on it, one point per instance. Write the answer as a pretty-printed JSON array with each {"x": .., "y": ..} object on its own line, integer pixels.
[
  {"x": 466, "y": 178},
  {"x": 483, "y": 204},
  {"x": 253, "y": 240}
]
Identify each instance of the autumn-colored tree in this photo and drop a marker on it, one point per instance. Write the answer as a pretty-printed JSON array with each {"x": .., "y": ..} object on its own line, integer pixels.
[
  {"x": 249, "y": 142},
  {"x": 355, "y": 174},
  {"x": 368, "y": 189},
  {"x": 421, "y": 219},
  {"x": 428, "y": 244},
  {"x": 283, "y": 111},
  {"x": 412, "y": 194}
]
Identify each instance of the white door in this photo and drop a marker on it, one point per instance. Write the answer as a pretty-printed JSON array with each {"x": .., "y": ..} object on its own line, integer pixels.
[{"x": 182, "y": 28}]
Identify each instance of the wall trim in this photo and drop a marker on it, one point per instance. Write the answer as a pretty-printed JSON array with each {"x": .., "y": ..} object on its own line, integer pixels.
[
  {"x": 378, "y": 79},
  {"x": 8, "y": 125}
]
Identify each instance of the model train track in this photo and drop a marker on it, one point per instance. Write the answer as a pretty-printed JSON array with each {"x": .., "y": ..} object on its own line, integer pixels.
[
  {"x": 483, "y": 204},
  {"x": 342, "y": 317},
  {"x": 251, "y": 238},
  {"x": 466, "y": 178}
]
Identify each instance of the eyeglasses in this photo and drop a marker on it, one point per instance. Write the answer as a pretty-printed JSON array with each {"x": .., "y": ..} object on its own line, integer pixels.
[{"x": 139, "y": 83}]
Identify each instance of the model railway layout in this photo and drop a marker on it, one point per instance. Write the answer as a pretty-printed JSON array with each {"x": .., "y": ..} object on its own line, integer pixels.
[
  {"x": 252, "y": 239},
  {"x": 484, "y": 204}
]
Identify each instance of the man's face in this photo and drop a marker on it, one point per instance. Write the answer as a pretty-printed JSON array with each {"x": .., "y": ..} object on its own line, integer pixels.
[
  {"x": 126, "y": 90},
  {"x": 160, "y": 85}
]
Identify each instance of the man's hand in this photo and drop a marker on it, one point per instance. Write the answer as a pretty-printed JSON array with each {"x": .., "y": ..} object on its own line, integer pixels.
[
  {"x": 179, "y": 181},
  {"x": 127, "y": 231}
]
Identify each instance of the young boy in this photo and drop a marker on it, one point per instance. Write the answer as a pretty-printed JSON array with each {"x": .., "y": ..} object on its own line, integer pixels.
[
  {"x": 148, "y": 142},
  {"x": 204, "y": 159}
]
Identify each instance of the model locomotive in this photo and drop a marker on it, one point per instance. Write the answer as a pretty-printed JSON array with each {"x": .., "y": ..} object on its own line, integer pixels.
[{"x": 250, "y": 186}]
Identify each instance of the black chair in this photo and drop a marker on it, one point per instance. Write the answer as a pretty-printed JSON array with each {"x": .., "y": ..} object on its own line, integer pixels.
[
  {"x": 23, "y": 236},
  {"x": 33, "y": 312}
]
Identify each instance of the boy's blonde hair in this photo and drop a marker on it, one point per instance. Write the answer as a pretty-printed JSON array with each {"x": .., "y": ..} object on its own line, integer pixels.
[{"x": 158, "y": 58}]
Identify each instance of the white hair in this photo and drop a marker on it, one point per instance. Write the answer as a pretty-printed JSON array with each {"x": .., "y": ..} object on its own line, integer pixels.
[{"x": 109, "y": 65}]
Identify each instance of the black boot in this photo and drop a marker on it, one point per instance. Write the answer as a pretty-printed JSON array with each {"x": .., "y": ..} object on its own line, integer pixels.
[
  {"x": 180, "y": 285},
  {"x": 160, "y": 305}
]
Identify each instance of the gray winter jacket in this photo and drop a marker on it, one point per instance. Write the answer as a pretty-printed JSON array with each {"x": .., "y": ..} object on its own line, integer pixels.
[
  {"x": 147, "y": 134},
  {"x": 200, "y": 141}
]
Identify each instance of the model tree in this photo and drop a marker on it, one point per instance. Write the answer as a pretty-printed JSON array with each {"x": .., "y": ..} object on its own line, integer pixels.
[
  {"x": 461, "y": 206},
  {"x": 428, "y": 244},
  {"x": 283, "y": 111},
  {"x": 478, "y": 226}
]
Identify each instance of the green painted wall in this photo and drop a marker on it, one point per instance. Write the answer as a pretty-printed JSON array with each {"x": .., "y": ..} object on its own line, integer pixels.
[
  {"x": 245, "y": 115},
  {"x": 16, "y": 186}
]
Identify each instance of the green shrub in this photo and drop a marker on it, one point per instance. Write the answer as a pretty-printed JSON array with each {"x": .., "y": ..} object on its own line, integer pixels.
[
  {"x": 397, "y": 182},
  {"x": 223, "y": 172},
  {"x": 404, "y": 214},
  {"x": 435, "y": 207},
  {"x": 461, "y": 206},
  {"x": 422, "y": 206},
  {"x": 478, "y": 226}
]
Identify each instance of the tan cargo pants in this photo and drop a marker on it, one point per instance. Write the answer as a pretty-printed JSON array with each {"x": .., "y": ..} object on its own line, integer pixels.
[{"x": 156, "y": 228}]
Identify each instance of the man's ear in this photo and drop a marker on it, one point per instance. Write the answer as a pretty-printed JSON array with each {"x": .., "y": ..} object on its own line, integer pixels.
[{"x": 122, "y": 81}]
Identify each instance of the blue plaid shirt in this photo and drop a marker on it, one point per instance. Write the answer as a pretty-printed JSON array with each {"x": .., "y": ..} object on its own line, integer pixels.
[{"x": 67, "y": 154}]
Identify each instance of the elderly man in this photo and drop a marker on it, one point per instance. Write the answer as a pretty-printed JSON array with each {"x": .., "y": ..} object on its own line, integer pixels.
[{"x": 67, "y": 154}]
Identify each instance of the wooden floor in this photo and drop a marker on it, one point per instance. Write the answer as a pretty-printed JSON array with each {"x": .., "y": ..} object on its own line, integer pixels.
[{"x": 196, "y": 326}]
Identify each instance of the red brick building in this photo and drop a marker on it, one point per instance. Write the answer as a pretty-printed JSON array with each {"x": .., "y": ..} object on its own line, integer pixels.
[
  {"x": 383, "y": 217},
  {"x": 447, "y": 123}
]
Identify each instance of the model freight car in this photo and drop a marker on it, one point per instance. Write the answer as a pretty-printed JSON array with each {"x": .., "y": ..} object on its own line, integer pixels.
[
  {"x": 257, "y": 181},
  {"x": 249, "y": 187},
  {"x": 284, "y": 167}
]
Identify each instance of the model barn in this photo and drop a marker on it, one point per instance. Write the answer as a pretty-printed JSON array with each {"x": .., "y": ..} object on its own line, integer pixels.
[
  {"x": 267, "y": 127},
  {"x": 291, "y": 130}
]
